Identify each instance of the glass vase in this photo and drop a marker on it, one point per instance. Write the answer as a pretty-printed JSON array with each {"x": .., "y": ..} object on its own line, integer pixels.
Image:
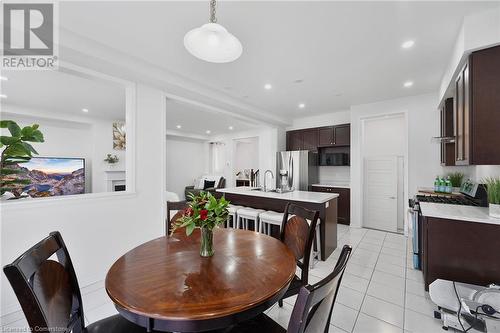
[{"x": 207, "y": 243}]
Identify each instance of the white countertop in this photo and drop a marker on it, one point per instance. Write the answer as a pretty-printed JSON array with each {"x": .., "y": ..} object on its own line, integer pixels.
[
  {"x": 457, "y": 212},
  {"x": 304, "y": 196},
  {"x": 333, "y": 184}
]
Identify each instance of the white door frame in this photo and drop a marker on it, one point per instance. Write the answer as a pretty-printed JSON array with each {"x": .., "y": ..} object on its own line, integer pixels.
[{"x": 386, "y": 115}]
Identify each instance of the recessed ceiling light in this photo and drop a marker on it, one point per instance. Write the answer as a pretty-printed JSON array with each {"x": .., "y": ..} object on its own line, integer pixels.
[
  {"x": 178, "y": 126},
  {"x": 3, "y": 96},
  {"x": 268, "y": 86},
  {"x": 408, "y": 44},
  {"x": 4, "y": 78},
  {"x": 231, "y": 128},
  {"x": 408, "y": 84},
  {"x": 208, "y": 131},
  {"x": 85, "y": 110},
  {"x": 302, "y": 105}
]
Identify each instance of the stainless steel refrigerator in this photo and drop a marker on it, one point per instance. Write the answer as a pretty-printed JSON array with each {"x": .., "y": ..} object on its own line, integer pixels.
[{"x": 296, "y": 170}]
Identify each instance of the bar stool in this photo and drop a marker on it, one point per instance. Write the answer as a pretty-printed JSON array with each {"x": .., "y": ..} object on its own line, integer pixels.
[
  {"x": 231, "y": 218},
  {"x": 316, "y": 251},
  {"x": 269, "y": 218},
  {"x": 246, "y": 214}
]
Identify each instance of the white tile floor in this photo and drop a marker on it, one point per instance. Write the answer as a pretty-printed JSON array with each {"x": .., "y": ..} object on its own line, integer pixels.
[{"x": 380, "y": 292}]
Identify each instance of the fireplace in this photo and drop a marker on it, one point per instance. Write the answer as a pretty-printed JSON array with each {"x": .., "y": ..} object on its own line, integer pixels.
[
  {"x": 119, "y": 186},
  {"x": 115, "y": 180}
]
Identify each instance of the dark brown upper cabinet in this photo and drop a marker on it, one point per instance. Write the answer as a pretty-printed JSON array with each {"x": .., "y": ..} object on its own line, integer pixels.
[
  {"x": 342, "y": 135},
  {"x": 477, "y": 109},
  {"x": 447, "y": 131},
  {"x": 294, "y": 140},
  {"x": 326, "y": 136},
  {"x": 335, "y": 136},
  {"x": 310, "y": 139}
]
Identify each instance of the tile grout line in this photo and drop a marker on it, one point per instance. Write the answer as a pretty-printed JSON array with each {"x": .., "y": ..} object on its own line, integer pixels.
[
  {"x": 404, "y": 294},
  {"x": 371, "y": 276}
]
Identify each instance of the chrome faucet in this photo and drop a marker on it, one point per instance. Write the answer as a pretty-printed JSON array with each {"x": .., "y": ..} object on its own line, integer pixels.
[{"x": 265, "y": 179}]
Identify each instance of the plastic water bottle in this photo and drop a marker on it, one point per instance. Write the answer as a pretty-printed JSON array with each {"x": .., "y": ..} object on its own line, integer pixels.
[
  {"x": 442, "y": 185},
  {"x": 448, "y": 185},
  {"x": 436, "y": 184}
]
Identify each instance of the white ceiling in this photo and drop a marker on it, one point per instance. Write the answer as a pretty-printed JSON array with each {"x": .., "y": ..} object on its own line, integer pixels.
[
  {"x": 347, "y": 53},
  {"x": 62, "y": 93},
  {"x": 195, "y": 121}
]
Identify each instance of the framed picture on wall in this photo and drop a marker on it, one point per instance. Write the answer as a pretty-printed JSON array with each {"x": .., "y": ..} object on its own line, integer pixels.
[{"x": 119, "y": 137}]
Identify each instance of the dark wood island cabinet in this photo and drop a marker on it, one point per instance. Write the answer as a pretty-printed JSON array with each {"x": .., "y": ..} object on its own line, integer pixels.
[
  {"x": 459, "y": 250},
  {"x": 324, "y": 203},
  {"x": 344, "y": 201}
]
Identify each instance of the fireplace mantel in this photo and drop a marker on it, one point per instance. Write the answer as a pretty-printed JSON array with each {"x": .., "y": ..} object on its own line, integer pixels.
[{"x": 114, "y": 177}]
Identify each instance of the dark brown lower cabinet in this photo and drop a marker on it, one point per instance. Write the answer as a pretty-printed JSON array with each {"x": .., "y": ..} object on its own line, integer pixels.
[
  {"x": 460, "y": 251},
  {"x": 344, "y": 202}
]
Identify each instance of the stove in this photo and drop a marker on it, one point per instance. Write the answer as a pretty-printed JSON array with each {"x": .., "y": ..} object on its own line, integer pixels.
[
  {"x": 471, "y": 194},
  {"x": 451, "y": 200}
]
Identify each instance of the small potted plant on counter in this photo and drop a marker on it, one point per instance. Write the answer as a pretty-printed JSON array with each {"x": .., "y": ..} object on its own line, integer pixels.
[
  {"x": 493, "y": 190},
  {"x": 204, "y": 212},
  {"x": 456, "y": 179}
]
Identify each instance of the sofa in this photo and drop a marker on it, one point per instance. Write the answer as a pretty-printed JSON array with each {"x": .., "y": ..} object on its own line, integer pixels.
[{"x": 219, "y": 182}]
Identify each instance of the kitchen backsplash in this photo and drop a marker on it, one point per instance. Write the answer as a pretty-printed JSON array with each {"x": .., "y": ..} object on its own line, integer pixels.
[{"x": 329, "y": 174}]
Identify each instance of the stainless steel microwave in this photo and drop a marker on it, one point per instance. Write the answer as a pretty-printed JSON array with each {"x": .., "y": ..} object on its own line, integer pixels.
[{"x": 333, "y": 159}]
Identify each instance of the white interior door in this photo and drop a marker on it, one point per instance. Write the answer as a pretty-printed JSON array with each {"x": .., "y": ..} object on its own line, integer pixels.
[{"x": 380, "y": 193}]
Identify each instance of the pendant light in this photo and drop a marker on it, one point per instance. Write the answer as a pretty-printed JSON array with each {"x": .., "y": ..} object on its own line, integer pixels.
[{"x": 212, "y": 42}]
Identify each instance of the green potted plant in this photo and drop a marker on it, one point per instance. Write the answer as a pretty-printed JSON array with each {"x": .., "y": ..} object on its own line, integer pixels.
[
  {"x": 204, "y": 212},
  {"x": 456, "y": 179},
  {"x": 111, "y": 159},
  {"x": 493, "y": 190},
  {"x": 16, "y": 150}
]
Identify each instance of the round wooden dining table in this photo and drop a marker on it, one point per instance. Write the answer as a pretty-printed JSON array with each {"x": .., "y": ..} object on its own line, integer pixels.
[{"x": 165, "y": 285}]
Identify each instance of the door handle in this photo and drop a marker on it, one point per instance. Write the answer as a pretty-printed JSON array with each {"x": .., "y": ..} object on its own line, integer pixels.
[{"x": 392, "y": 198}]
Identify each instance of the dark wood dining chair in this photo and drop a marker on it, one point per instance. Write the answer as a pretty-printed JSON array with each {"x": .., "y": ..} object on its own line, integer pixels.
[
  {"x": 48, "y": 292},
  {"x": 312, "y": 311},
  {"x": 297, "y": 232},
  {"x": 178, "y": 206}
]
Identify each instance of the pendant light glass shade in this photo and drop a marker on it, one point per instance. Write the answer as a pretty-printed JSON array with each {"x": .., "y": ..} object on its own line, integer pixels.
[{"x": 213, "y": 43}]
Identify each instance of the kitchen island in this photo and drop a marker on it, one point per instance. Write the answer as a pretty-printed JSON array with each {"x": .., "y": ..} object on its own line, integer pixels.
[{"x": 324, "y": 203}]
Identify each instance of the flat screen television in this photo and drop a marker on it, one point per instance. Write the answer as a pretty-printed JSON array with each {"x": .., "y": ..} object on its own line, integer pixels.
[{"x": 53, "y": 176}]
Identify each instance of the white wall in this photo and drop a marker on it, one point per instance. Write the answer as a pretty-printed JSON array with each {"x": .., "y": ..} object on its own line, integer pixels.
[
  {"x": 423, "y": 157},
  {"x": 328, "y": 119},
  {"x": 483, "y": 171},
  {"x": 97, "y": 228},
  {"x": 478, "y": 31},
  {"x": 332, "y": 174},
  {"x": 270, "y": 142},
  {"x": 187, "y": 159},
  {"x": 246, "y": 154},
  {"x": 102, "y": 139},
  {"x": 66, "y": 136}
]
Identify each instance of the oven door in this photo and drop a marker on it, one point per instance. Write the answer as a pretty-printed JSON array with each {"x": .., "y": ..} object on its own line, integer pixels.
[{"x": 416, "y": 237}]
